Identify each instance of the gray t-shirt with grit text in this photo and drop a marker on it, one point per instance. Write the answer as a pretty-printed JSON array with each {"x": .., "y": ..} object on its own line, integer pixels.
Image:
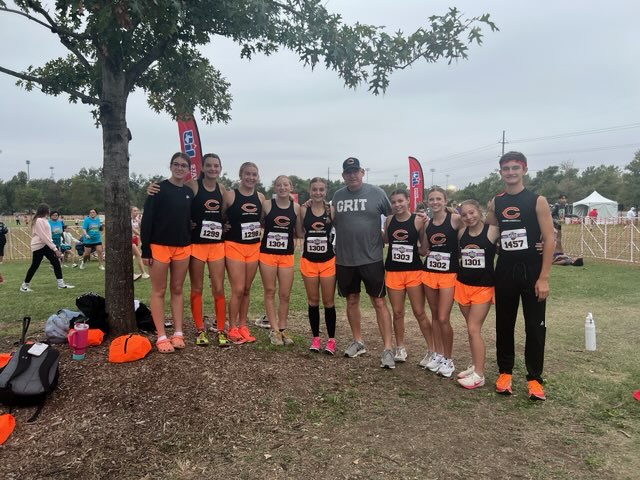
[{"x": 357, "y": 223}]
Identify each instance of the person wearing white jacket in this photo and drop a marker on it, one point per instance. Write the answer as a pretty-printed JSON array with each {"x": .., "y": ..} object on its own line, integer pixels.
[{"x": 42, "y": 246}]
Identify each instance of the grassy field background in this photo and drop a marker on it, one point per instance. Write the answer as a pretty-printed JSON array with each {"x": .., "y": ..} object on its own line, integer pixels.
[{"x": 588, "y": 428}]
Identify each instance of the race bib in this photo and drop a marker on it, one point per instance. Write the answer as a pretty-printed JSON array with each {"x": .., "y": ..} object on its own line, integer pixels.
[
  {"x": 211, "y": 230},
  {"x": 278, "y": 241},
  {"x": 317, "y": 244},
  {"x": 250, "y": 230},
  {"x": 513, "y": 240},
  {"x": 402, "y": 253},
  {"x": 439, "y": 261},
  {"x": 472, "y": 257}
]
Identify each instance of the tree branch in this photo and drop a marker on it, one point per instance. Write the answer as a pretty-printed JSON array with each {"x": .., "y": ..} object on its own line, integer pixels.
[
  {"x": 52, "y": 26},
  {"x": 41, "y": 81},
  {"x": 141, "y": 66}
]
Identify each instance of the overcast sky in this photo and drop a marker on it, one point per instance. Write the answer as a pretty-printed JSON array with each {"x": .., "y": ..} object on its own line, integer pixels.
[{"x": 554, "y": 68}]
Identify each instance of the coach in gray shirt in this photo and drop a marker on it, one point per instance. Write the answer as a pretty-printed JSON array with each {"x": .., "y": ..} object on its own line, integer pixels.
[{"x": 356, "y": 211}]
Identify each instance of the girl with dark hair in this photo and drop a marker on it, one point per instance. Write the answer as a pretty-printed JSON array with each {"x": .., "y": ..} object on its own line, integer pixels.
[
  {"x": 404, "y": 232},
  {"x": 42, "y": 246},
  {"x": 166, "y": 248},
  {"x": 318, "y": 264}
]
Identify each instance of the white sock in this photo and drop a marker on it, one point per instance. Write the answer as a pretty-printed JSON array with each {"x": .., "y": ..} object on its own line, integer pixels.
[
  {"x": 178, "y": 334},
  {"x": 60, "y": 282},
  {"x": 161, "y": 337}
]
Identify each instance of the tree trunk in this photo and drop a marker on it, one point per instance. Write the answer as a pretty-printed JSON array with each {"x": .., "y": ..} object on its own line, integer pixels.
[{"x": 119, "y": 273}]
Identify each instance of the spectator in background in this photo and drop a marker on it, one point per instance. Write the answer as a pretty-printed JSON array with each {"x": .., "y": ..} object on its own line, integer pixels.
[
  {"x": 3, "y": 239},
  {"x": 559, "y": 212},
  {"x": 42, "y": 246},
  {"x": 593, "y": 216},
  {"x": 631, "y": 216},
  {"x": 92, "y": 238},
  {"x": 18, "y": 220}
]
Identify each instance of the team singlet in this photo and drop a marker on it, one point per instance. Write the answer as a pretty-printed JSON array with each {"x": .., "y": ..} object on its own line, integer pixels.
[
  {"x": 477, "y": 255},
  {"x": 279, "y": 226},
  {"x": 317, "y": 246},
  {"x": 244, "y": 217},
  {"x": 206, "y": 213},
  {"x": 402, "y": 254},
  {"x": 443, "y": 244},
  {"x": 519, "y": 228}
]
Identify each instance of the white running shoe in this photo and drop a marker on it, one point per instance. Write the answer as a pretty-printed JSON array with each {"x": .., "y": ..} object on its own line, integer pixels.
[
  {"x": 25, "y": 288},
  {"x": 82, "y": 265},
  {"x": 472, "y": 381},
  {"x": 446, "y": 368},
  {"x": 262, "y": 322},
  {"x": 465, "y": 373},
  {"x": 400, "y": 354},
  {"x": 145, "y": 276},
  {"x": 65, "y": 285},
  {"x": 137, "y": 276},
  {"x": 101, "y": 267},
  {"x": 434, "y": 362},
  {"x": 427, "y": 357}
]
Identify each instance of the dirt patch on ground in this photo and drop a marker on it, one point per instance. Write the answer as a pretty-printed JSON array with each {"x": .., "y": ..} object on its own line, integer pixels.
[{"x": 255, "y": 412}]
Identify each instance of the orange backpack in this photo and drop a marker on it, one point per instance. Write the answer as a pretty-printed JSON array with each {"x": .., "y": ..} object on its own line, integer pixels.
[{"x": 129, "y": 348}]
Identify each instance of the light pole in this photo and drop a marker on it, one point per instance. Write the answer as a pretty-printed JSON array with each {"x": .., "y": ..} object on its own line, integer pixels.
[
  {"x": 395, "y": 179},
  {"x": 28, "y": 162},
  {"x": 446, "y": 187},
  {"x": 432, "y": 170},
  {"x": 52, "y": 177},
  {"x": 367, "y": 170}
]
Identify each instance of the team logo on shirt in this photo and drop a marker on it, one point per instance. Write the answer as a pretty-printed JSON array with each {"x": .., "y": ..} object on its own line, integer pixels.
[
  {"x": 249, "y": 207},
  {"x": 317, "y": 226},
  {"x": 511, "y": 213},
  {"x": 212, "y": 205},
  {"x": 282, "y": 221},
  {"x": 400, "y": 234},
  {"x": 438, "y": 239}
]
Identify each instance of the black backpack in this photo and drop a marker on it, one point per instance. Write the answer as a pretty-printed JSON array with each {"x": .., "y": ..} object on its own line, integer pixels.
[
  {"x": 28, "y": 379},
  {"x": 93, "y": 306},
  {"x": 144, "y": 320}
]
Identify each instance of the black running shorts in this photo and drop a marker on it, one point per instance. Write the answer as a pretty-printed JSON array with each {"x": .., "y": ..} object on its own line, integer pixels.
[{"x": 372, "y": 275}]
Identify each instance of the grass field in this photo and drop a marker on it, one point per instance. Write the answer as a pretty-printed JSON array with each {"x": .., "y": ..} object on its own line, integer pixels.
[{"x": 311, "y": 416}]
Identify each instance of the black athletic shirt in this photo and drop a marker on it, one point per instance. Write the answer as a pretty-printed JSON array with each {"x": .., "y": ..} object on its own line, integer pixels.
[
  {"x": 317, "y": 245},
  {"x": 167, "y": 218},
  {"x": 279, "y": 226},
  {"x": 443, "y": 241},
  {"x": 206, "y": 210},
  {"x": 244, "y": 217},
  {"x": 402, "y": 254},
  {"x": 519, "y": 228},
  {"x": 477, "y": 255}
]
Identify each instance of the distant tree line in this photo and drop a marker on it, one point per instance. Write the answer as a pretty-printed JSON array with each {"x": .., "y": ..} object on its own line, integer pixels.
[
  {"x": 84, "y": 190},
  {"x": 621, "y": 185}
]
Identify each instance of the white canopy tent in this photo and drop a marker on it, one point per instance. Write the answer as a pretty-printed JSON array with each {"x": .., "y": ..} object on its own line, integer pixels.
[{"x": 606, "y": 208}]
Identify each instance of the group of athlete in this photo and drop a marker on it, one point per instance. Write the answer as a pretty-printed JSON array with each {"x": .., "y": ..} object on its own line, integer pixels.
[{"x": 189, "y": 224}]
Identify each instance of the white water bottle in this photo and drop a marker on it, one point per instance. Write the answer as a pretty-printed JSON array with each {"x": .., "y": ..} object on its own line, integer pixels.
[{"x": 589, "y": 333}]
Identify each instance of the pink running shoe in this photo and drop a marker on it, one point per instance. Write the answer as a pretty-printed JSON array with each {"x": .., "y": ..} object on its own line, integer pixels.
[
  {"x": 315, "y": 344},
  {"x": 330, "y": 347}
]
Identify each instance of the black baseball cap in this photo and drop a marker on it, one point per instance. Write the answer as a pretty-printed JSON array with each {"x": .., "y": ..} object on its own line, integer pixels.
[{"x": 350, "y": 163}]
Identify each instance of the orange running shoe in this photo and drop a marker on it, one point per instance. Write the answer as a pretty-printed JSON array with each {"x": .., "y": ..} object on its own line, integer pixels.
[
  {"x": 235, "y": 337},
  {"x": 503, "y": 384},
  {"x": 535, "y": 390},
  {"x": 246, "y": 334}
]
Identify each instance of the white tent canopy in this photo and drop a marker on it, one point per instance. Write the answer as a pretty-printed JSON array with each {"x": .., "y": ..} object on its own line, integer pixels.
[{"x": 606, "y": 208}]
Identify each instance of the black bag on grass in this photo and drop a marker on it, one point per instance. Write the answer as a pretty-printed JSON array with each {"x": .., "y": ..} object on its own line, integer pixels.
[
  {"x": 93, "y": 306},
  {"x": 144, "y": 320},
  {"x": 29, "y": 378}
]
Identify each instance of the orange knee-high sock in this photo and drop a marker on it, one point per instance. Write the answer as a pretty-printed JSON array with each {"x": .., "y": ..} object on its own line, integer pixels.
[
  {"x": 220, "y": 311},
  {"x": 196, "y": 310}
]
